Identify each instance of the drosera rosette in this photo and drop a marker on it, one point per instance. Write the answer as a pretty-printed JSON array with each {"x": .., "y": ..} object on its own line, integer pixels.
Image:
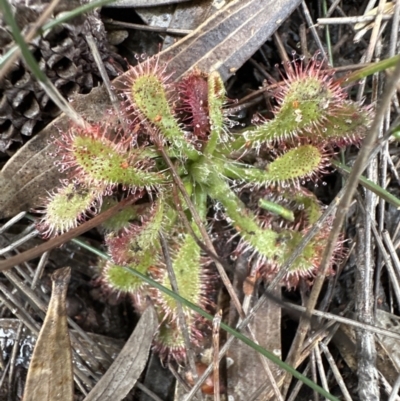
[{"x": 67, "y": 207}]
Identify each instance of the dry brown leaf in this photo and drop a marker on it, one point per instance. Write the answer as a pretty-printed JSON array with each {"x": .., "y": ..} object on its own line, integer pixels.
[
  {"x": 247, "y": 373},
  {"x": 50, "y": 374},
  {"x": 229, "y": 37},
  {"x": 126, "y": 369}
]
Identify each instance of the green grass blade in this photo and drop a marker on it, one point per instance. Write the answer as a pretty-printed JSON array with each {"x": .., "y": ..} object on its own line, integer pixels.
[
  {"x": 371, "y": 69},
  {"x": 365, "y": 182}
]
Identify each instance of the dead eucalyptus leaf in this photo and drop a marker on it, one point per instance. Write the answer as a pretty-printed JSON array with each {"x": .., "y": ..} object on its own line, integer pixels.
[
  {"x": 247, "y": 373},
  {"x": 126, "y": 369},
  {"x": 50, "y": 374},
  {"x": 223, "y": 42},
  {"x": 229, "y": 37},
  {"x": 185, "y": 16}
]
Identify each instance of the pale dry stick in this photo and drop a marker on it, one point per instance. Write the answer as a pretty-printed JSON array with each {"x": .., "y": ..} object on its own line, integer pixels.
[
  {"x": 345, "y": 320},
  {"x": 395, "y": 30},
  {"x": 30, "y": 35},
  {"x": 368, "y": 387},
  {"x": 395, "y": 390},
  {"x": 141, "y": 27},
  {"x": 181, "y": 316},
  {"x": 4, "y": 372},
  {"x": 351, "y": 20},
  {"x": 332, "y": 8},
  {"x": 215, "y": 343},
  {"x": 335, "y": 371},
  {"x": 314, "y": 378},
  {"x": 311, "y": 26},
  {"x": 16, "y": 309},
  {"x": 11, "y": 222},
  {"x": 321, "y": 369},
  {"x": 282, "y": 51},
  {"x": 393, "y": 44},
  {"x": 304, "y": 43},
  {"x": 348, "y": 192},
  {"x": 299, "y": 384},
  {"x": 39, "y": 269},
  {"x": 106, "y": 80},
  {"x": 367, "y": 57},
  {"x": 392, "y": 252},
  {"x": 385, "y": 256},
  {"x": 19, "y": 242},
  {"x": 14, "y": 352},
  {"x": 145, "y": 390},
  {"x": 393, "y": 169}
]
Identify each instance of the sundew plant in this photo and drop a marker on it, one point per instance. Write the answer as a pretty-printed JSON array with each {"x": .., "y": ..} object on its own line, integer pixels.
[{"x": 313, "y": 120}]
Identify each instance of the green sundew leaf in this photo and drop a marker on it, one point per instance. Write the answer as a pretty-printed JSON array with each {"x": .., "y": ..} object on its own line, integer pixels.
[
  {"x": 102, "y": 163},
  {"x": 305, "y": 262},
  {"x": 295, "y": 164},
  {"x": 276, "y": 209},
  {"x": 310, "y": 205},
  {"x": 304, "y": 105},
  {"x": 119, "y": 279},
  {"x": 347, "y": 122},
  {"x": 67, "y": 208},
  {"x": 122, "y": 219},
  {"x": 149, "y": 95},
  {"x": 242, "y": 219},
  {"x": 188, "y": 271},
  {"x": 216, "y": 100}
]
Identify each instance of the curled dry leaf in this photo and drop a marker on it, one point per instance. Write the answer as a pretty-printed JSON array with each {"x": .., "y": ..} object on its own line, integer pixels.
[
  {"x": 127, "y": 368},
  {"x": 50, "y": 375}
]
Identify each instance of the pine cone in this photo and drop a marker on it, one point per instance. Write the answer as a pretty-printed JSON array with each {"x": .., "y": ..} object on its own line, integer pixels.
[{"x": 64, "y": 55}]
